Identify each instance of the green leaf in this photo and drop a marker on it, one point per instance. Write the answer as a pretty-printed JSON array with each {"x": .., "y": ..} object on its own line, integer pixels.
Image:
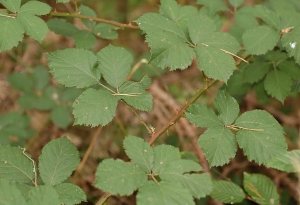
[
  {"x": 227, "y": 107},
  {"x": 227, "y": 192},
  {"x": 44, "y": 194},
  {"x": 288, "y": 19},
  {"x": 267, "y": 15},
  {"x": 84, "y": 39},
  {"x": 169, "y": 8},
  {"x": 278, "y": 84},
  {"x": 10, "y": 194},
  {"x": 86, "y": 11},
  {"x": 260, "y": 136},
  {"x": 163, "y": 193},
  {"x": 114, "y": 64},
  {"x": 236, "y": 3},
  {"x": 35, "y": 8},
  {"x": 167, "y": 42},
  {"x": 20, "y": 81},
  {"x": 179, "y": 167},
  {"x": 119, "y": 177},
  {"x": 58, "y": 160},
  {"x": 70, "y": 94},
  {"x": 236, "y": 84},
  {"x": 62, "y": 1},
  {"x": 11, "y": 5},
  {"x": 32, "y": 101},
  {"x": 288, "y": 162},
  {"x": 256, "y": 71},
  {"x": 139, "y": 152},
  {"x": 74, "y": 67},
  {"x": 62, "y": 27},
  {"x": 218, "y": 145},
  {"x": 94, "y": 107},
  {"x": 35, "y": 27},
  {"x": 70, "y": 193},
  {"x": 163, "y": 156},
  {"x": 258, "y": 40},
  {"x": 11, "y": 33},
  {"x": 202, "y": 116},
  {"x": 41, "y": 77},
  {"x": 134, "y": 94},
  {"x": 244, "y": 18},
  {"x": 15, "y": 166},
  {"x": 61, "y": 116},
  {"x": 291, "y": 42},
  {"x": 214, "y": 6},
  {"x": 261, "y": 189},
  {"x": 106, "y": 31},
  {"x": 290, "y": 68}
]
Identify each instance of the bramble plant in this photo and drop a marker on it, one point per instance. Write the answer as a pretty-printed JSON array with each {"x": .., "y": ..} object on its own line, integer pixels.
[{"x": 260, "y": 52}]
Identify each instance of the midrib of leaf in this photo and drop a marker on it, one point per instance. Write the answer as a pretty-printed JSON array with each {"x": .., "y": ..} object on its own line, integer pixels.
[
  {"x": 218, "y": 144},
  {"x": 144, "y": 159},
  {"x": 22, "y": 16},
  {"x": 260, "y": 40},
  {"x": 55, "y": 170}
]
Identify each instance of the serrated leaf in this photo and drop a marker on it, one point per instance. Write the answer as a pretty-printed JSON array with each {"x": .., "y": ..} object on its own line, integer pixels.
[
  {"x": 135, "y": 95},
  {"x": 61, "y": 116},
  {"x": 86, "y": 11},
  {"x": 35, "y": 27},
  {"x": 58, "y": 160},
  {"x": 214, "y": 6},
  {"x": 15, "y": 166},
  {"x": 258, "y": 40},
  {"x": 70, "y": 193},
  {"x": 290, "y": 68},
  {"x": 35, "y": 8},
  {"x": 218, "y": 145},
  {"x": 163, "y": 193},
  {"x": 20, "y": 81},
  {"x": 267, "y": 15},
  {"x": 227, "y": 107},
  {"x": 236, "y": 3},
  {"x": 11, "y": 33},
  {"x": 84, "y": 39},
  {"x": 244, "y": 18},
  {"x": 62, "y": 27},
  {"x": 74, "y": 67},
  {"x": 289, "y": 162},
  {"x": 256, "y": 71},
  {"x": 119, "y": 177},
  {"x": 114, "y": 64},
  {"x": 167, "y": 42},
  {"x": 278, "y": 84},
  {"x": 106, "y": 31},
  {"x": 260, "y": 136},
  {"x": 10, "y": 194},
  {"x": 261, "y": 189},
  {"x": 202, "y": 116},
  {"x": 139, "y": 152},
  {"x": 163, "y": 156},
  {"x": 288, "y": 19},
  {"x": 11, "y": 5},
  {"x": 169, "y": 8},
  {"x": 43, "y": 194},
  {"x": 227, "y": 192},
  {"x": 94, "y": 107},
  {"x": 291, "y": 42}
]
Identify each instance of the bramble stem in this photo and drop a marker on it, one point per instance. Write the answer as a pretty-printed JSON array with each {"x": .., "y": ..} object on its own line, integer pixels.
[
  {"x": 74, "y": 15},
  {"x": 179, "y": 114}
]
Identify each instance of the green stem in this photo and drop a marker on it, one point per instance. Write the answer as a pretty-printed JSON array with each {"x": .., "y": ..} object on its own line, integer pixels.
[
  {"x": 74, "y": 15},
  {"x": 179, "y": 114}
]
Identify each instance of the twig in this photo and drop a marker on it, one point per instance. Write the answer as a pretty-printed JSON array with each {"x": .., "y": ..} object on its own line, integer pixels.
[
  {"x": 103, "y": 199},
  {"x": 34, "y": 166}
]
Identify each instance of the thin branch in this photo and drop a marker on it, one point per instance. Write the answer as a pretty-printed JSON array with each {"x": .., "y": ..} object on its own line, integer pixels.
[
  {"x": 135, "y": 67},
  {"x": 103, "y": 199},
  {"x": 234, "y": 55},
  {"x": 74, "y": 15},
  {"x": 179, "y": 114},
  {"x": 34, "y": 166}
]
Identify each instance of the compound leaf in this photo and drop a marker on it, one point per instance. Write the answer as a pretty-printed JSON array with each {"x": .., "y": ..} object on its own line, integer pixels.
[
  {"x": 163, "y": 156},
  {"x": 202, "y": 116},
  {"x": 58, "y": 160},
  {"x": 44, "y": 194},
  {"x": 163, "y": 193},
  {"x": 227, "y": 107},
  {"x": 94, "y": 107},
  {"x": 267, "y": 15},
  {"x": 115, "y": 64},
  {"x": 200, "y": 27},
  {"x": 260, "y": 136},
  {"x": 119, "y": 177},
  {"x": 256, "y": 71},
  {"x": 11, "y": 33},
  {"x": 84, "y": 39},
  {"x": 287, "y": 162},
  {"x": 70, "y": 193},
  {"x": 278, "y": 84},
  {"x": 106, "y": 31},
  {"x": 35, "y": 8},
  {"x": 10, "y": 194},
  {"x": 14, "y": 165},
  {"x": 11, "y": 5},
  {"x": 139, "y": 152},
  {"x": 227, "y": 192},
  {"x": 62, "y": 27},
  {"x": 74, "y": 67},
  {"x": 261, "y": 189},
  {"x": 258, "y": 40},
  {"x": 218, "y": 145},
  {"x": 291, "y": 42}
]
